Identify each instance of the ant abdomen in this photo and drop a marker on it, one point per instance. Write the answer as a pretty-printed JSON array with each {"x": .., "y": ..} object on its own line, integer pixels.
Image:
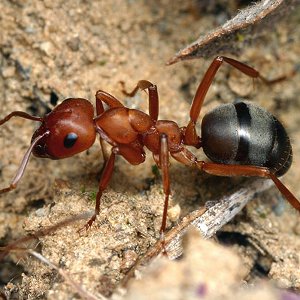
[{"x": 243, "y": 133}]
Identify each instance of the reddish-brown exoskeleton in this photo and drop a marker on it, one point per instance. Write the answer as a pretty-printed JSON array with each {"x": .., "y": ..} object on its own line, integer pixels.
[{"x": 241, "y": 139}]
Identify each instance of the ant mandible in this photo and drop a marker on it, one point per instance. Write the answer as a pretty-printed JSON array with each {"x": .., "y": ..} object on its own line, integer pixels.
[{"x": 240, "y": 139}]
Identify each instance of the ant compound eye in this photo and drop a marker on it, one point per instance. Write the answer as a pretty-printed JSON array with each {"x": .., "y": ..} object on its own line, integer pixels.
[{"x": 70, "y": 140}]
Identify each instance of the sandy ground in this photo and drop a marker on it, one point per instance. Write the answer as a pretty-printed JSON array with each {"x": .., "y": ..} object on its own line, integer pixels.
[{"x": 72, "y": 49}]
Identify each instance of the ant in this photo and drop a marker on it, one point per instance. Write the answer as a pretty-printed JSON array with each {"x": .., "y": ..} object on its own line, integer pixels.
[{"x": 240, "y": 139}]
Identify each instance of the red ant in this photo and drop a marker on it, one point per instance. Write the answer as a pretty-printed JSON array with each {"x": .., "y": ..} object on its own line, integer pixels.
[{"x": 241, "y": 139}]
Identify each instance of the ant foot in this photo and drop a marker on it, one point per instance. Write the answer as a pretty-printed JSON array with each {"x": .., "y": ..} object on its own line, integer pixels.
[
  {"x": 163, "y": 244},
  {"x": 88, "y": 225}
]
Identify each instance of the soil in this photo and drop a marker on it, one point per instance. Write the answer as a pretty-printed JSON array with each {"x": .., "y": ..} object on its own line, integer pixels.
[{"x": 52, "y": 50}]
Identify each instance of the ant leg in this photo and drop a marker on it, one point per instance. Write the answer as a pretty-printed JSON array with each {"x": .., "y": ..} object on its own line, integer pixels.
[
  {"x": 107, "y": 98},
  {"x": 191, "y": 137},
  {"x": 23, "y": 164},
  {"x": 164, "y": 165},
  {"x": 111, "y": 101},
  {"x": 241, "y": 170},
  {"x": 153, "y": 96},
  {"x": 104, "y": 180},
  {"x": 104, "y": 150},
  {"x": 187, "y": 158}
]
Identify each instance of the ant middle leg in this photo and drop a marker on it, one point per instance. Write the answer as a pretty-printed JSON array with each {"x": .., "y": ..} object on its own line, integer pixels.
[
  {"x": 153, "y": 96},
  {"x": 164, "y": 165},
  {"x": 162, "y": 161}
]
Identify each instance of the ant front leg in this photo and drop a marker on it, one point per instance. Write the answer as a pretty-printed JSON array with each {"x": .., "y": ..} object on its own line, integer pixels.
[
  {"x": 153, "y": 96},
  {"x": 104, "y": 180},
  {"x": 191, "y": 138},
  {"x": 111, "y": 101}
]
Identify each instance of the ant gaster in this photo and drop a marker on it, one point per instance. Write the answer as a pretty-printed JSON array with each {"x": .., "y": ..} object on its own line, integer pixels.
[{"x": 240, "y": 139}]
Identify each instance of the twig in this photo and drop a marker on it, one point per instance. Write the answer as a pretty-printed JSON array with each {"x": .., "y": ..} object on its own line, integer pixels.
[
  {"x": 248, "y": 24},
  {"x": 76, "y": 286},
  {"x": 42, "y": 232},
  {"x": 207, "y": 220},
  {"x": 215, "y": 217}
]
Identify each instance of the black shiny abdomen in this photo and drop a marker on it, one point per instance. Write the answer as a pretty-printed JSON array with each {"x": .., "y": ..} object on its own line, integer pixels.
[{"x": 245, "y": 134}]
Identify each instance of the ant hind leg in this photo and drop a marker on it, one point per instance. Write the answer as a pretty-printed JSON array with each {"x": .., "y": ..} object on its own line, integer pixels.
[
  {"x": 245, "y": 170},
  {"x": 188, "y": 159}
]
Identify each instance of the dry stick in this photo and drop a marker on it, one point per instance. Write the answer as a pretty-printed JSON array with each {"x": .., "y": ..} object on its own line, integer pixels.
[
  {"x": 83, "y": 293},
  {"x": 249, "y": 24},
  {"x": 207, "y": 220},
  {"x": 14, "y": 247},
  {"x": 42, "y": 232},
  {"x": 215, "y": 217}
]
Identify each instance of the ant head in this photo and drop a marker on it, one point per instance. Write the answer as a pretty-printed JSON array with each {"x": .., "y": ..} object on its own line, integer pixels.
[{"x": 71, "y": 130}]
